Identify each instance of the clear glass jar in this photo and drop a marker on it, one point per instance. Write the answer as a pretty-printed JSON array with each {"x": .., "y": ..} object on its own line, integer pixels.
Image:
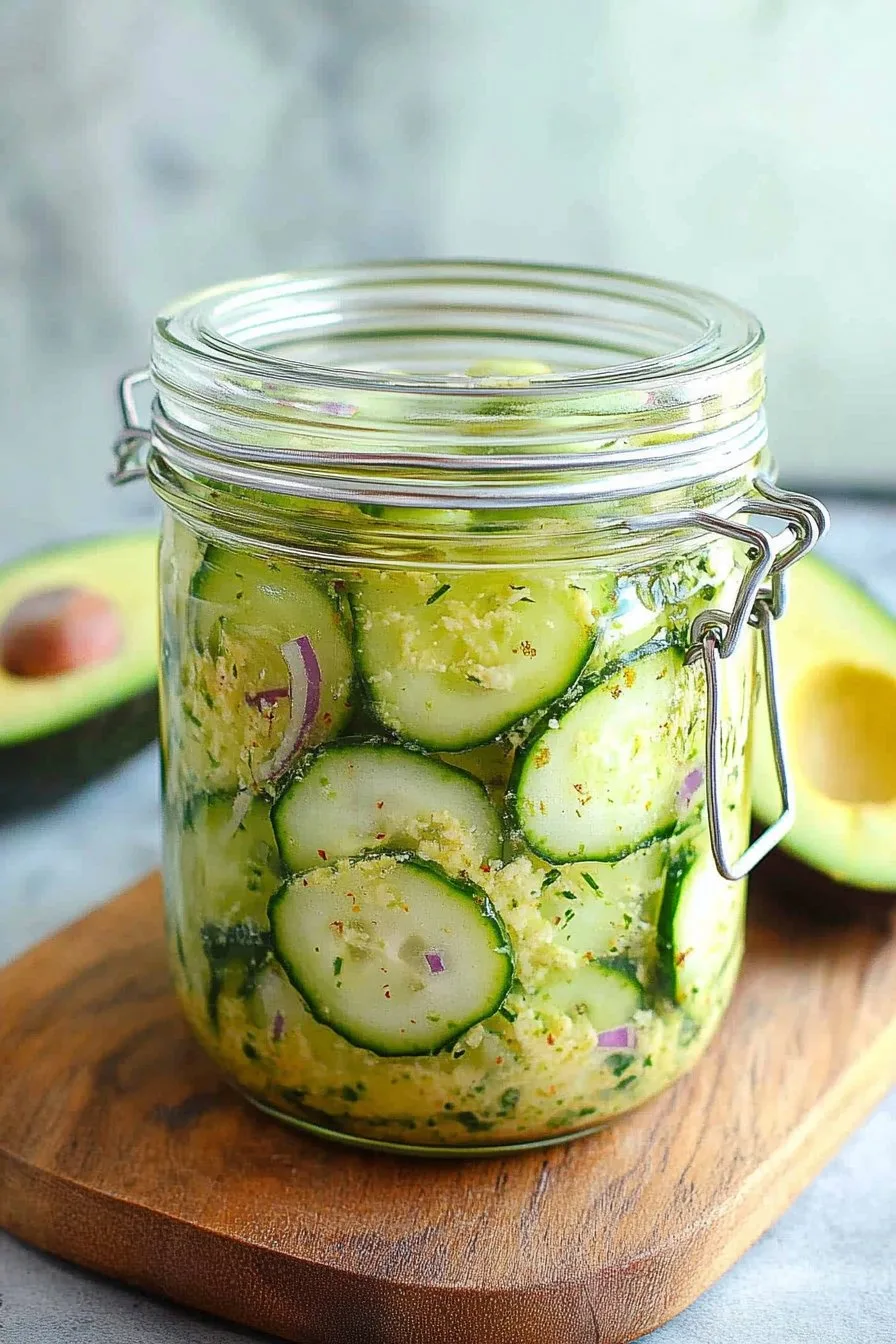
[{"x": 452, "y": 557}]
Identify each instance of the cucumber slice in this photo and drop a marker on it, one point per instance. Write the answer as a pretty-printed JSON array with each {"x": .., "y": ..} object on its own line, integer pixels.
[
  {"x": 239, "y": 716},
  {"x": 700, "y": 925},
  {"x": 352, "y": 798},
  {"x": 601, "y": 779},
  {"x": 597, "y": 909},
  {"x": 229, "y": 863},
  {"x": 606, "y": 993},
  {"x": 392, "y": 953},
  {"x": 227, "y": 869},
  {"x": 452, "y": 660}
]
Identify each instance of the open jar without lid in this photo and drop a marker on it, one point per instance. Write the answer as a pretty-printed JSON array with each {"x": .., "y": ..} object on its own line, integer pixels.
[{"x": 461, "y": 582}]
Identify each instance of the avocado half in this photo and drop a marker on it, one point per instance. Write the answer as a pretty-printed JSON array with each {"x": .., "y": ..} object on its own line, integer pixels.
[
  {"x": 58, "y": 731},
  {"x": 837, "y": 679}
]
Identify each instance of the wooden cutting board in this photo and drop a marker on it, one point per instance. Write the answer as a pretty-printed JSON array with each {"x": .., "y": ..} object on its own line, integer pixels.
[{"x": 122, "y": 1149}]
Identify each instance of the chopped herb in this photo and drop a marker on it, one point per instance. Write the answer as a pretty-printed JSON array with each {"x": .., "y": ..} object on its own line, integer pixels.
[
  {"x": 188, "y": 714},
  {"x": 627, "y": 919},
  {"x": 550, "y": 878},
  {"x": 352, "y": 1093},
  {"x": 619, "y": 1064},
  {"x": 249, "y": 1050},
  {"x": 626, "y": 1082},
  {"x": 567, "y": 916},
  {"x": 337, "y": 965},
  {"x": 439, "y": 592},
  {"x": 586, "y": 877},
  {"x": 509, "y": 1101},
  {"x": 472, "y": 1122},
  {"x": 648, "y": 1061},
  {"x": 506, "y": 1012}
]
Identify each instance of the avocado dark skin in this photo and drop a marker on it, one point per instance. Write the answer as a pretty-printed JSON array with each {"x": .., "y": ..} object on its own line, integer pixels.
[{"x": 44, "y": 770}]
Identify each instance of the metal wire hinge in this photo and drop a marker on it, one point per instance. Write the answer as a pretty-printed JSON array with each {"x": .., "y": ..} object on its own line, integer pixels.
[
  {"x": 715, "y": 635},
  {"x": 131, "y": 443}
]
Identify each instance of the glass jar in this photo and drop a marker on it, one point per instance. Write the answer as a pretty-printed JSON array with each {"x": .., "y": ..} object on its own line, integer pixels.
[{"x": 460, "y": 592}]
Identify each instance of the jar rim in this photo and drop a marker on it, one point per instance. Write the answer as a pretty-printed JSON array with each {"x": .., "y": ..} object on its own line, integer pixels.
[
  {"x": 237, "y": 404},
  {"x": 244, "y": 322}
]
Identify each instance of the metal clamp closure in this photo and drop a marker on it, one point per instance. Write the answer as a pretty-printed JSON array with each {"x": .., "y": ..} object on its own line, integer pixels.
[
  {"x": 716, "y": 634},
  {"x": 132, "y": 440}
]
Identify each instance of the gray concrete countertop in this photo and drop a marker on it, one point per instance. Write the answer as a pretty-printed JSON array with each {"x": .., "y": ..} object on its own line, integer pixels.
[{"x": 826, "y": 1272}]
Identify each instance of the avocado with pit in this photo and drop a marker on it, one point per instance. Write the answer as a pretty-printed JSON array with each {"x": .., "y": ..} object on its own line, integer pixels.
[
  {"x": 78, "y": 665},
  {"x": 836, "y": 663}
]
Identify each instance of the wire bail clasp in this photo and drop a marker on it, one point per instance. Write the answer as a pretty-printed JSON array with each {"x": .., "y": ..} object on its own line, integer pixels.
[
  {"x": 131, "y": 442},
  {"x": 715, "y": 635}
]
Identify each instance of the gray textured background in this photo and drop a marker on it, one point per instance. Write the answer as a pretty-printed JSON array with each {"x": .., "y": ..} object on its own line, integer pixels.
[{"x": 152, "y": 146}]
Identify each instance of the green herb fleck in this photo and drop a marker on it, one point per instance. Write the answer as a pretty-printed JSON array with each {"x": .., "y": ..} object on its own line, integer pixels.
[
  {"x": 586, "y": 877},
  {"x": 473, "y": 1123},
  {"x": 509, "y": 1101},
  {"x": 550, "y": 878},
  {"x": 352, "y": 1093},
  {"x": 506, "y": 1012},
  {"x": 249, "y": 1050},
  {"x": 337, "y": 965},
  {"x": 439, "y": 592},
  {"x": 188, "y": 714},
  {"x": 648, "y": 1061},
  {"x": 626, "y": 1082},
  {"x": 627, "y": 919},
  {"x": 619, "y": 1064}
]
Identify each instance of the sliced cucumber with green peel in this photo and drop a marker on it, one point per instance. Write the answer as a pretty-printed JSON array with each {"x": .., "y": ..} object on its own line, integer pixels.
[
  {"x": 272, "y": 672},
  {"x": 352, "y": 798},
  {"x": 450, "y": 661},
  {"x": 229, "y": 863},
  {"x": 391, "y": 952},
  {"x": 602, "y": 778},
  {"x": 597, "y": 908},
  {"x": 700, "y": 925},
  {"x": 227, "y": 867},
  {"x": 607, "y": 994}
]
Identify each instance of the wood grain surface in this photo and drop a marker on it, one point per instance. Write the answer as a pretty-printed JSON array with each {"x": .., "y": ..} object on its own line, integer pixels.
[{"x": 122, "y": 1149}]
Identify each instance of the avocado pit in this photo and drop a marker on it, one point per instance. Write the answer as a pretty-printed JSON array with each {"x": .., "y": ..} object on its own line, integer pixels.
[{"x": 59, "y": 630}]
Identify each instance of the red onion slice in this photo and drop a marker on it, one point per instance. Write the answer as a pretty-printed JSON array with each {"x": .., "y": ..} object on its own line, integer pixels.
[
  {"x": 434, "y": 962},
  {"x": 691, "y": 785},
  {"x": 304, "y": 703},
  {"x": 617, "y": 1038},
  {"x": 267, "y": 699}
]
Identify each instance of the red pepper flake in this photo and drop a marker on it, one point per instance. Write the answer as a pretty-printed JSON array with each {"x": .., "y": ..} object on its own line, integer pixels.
[
  {"x": 327, "y": 718},
  {"x": 388, "y": 993},
  {"x": 615, "y": 691},
  {"x": 589, "y": 956},
  {"x": 500, "y": 1059},
  {"x": 550, "y": 1038},
  {"x": 338, "y": 926},
  {"x": 485, "y": 867},
  {"x": 381, "y": 835},
  {"x": 304, "y": 881},
  {"x": 380, "y": 803},
  {"x": 339, "y": 585},
  {"x": 322, "y": 854}
]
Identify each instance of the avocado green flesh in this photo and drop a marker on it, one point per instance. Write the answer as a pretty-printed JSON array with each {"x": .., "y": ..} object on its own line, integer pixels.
[
  {"x": 57, "y": 732},
  {"x": 837, "y": 688}
]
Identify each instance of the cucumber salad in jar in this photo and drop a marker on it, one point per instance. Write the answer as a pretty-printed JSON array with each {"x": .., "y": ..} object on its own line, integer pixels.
[{"x": 438, "y": 869}]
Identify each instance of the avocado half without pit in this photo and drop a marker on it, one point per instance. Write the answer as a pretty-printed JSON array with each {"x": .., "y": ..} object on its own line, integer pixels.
[
  {"x": 837, "y": 681},
  {"x": 78, "y": 654}
]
